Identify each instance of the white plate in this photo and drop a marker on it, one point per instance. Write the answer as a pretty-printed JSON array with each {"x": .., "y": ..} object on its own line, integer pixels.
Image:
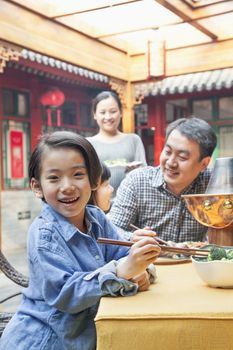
[
  {"x": 172, "y": 261},
  {"x": 117, "y": 166}
]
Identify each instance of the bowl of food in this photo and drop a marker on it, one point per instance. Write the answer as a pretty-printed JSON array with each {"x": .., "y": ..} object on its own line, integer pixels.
[{"x": 216, "y": 270}]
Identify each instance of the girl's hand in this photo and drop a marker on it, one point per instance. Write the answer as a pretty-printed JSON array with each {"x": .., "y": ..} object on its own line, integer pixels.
[
  {"x": 142, "y": 233},
  {"x": 141, "y": 254},
  {"x": 143, "y": 281}
]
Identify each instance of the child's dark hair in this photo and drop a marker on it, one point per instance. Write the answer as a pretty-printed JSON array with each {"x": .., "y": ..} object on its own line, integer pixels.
[
  {"x": 105, "y": 175},
  {"x": 69, "y": 140},
  {"x": 103, "y": 96}
]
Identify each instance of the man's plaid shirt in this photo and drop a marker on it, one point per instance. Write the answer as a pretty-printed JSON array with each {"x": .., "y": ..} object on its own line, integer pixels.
[{"x": 143, "y": 200}]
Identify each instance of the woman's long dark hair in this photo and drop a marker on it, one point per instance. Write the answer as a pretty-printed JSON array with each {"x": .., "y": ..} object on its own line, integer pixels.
[{"x": 103, "y": 96}]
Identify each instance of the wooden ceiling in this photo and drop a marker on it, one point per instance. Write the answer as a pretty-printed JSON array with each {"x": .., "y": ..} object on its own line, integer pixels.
[{"x": 111, "y": 36}]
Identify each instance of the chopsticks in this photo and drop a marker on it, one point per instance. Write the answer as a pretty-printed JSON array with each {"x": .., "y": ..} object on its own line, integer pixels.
[
  {"x": 114, "y": 241},
  {"x": 156, "y": 238},
  {"x": 183, "y": 251}
]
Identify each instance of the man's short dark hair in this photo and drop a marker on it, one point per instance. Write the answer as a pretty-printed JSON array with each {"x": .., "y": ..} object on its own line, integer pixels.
[{"x": 198, "y": 130}]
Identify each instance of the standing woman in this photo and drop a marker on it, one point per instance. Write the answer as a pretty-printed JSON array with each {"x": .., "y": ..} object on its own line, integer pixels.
[{"x": 120, "y": 151}]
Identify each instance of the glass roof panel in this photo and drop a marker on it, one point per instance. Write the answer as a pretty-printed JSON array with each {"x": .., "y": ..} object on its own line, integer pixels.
[
  {"x": 129, "y": 24},
  {"x": 221, "y": 25},
  {"x": 181, "y": 35},
  {"x": 132, "y": 16}
]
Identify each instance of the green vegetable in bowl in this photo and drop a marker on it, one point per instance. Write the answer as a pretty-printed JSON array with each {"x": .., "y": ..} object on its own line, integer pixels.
[
  {"x": 230, "y": 254},
  {"x": 217, "y": 253}
]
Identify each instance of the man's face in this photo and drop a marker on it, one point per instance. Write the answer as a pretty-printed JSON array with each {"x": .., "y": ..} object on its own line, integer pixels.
[{"x": 180, "y": 162}]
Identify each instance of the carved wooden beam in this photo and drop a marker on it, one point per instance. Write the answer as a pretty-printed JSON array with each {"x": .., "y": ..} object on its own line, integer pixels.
[
  {"x": 8, "y": 52},
  {"x": 120, "y": 87}
]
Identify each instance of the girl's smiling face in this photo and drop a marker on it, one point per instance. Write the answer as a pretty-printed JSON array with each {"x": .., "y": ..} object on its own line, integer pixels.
[{"x": 64, "y": 183}]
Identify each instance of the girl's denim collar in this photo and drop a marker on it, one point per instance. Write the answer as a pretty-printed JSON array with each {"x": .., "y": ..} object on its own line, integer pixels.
[{"x": 68, "y": 229}]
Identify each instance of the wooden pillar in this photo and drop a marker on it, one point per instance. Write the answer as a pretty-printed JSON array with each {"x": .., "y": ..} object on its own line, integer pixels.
[
  {"x": 36, "y": 115},
  {"x": 128, "y": 122},
  {"x": 1, "y": 167},
  {"x": 125, "y": 93},
  {"x": 157, "y": 119}
]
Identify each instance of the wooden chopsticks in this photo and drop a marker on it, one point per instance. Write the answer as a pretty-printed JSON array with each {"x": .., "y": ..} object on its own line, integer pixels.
[
  {"x": 183, "y": 251},
  {"x": 159, "y": 240},
  {"x": 114, "y": 241}
]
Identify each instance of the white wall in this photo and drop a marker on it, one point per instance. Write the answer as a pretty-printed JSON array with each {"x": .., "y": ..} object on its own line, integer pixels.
[{"x": 15, "y": 207}]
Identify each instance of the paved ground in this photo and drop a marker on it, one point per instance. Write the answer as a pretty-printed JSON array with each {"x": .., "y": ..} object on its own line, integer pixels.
[{"x": 18, "y": 259}]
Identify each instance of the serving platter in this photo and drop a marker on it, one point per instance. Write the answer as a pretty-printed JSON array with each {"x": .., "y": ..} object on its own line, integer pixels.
[{"x": 172, "y": 261}]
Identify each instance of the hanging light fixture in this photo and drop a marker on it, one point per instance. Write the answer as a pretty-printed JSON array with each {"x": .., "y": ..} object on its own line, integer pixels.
[
  {"x": 52, "y": 100},
  {"x": 156, "y": 59}
]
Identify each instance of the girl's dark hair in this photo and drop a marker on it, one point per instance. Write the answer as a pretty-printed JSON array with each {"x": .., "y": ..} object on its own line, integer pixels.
[
  {"x": 69, "y": 140},
  {"x": 106, "y": 174},
  {"x": 103, "y": 96}
]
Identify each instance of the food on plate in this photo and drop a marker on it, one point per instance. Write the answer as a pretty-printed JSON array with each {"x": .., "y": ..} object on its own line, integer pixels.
[
  {"x": 115, "y": 162},
  {"x": 175, "y": 245},
  {"x": 182, "y": 245},
  {"x": 198, "y": 244}
]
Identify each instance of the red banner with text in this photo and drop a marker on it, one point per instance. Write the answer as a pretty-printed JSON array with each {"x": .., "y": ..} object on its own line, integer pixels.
[{"x": 16, "y": 154}]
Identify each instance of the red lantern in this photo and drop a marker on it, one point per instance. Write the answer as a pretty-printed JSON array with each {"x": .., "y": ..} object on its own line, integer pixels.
[{"x": 52, "y": 99}]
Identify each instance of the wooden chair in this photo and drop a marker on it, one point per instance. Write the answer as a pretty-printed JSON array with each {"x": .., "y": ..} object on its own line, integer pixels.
[{"x": 16, "y": 277}]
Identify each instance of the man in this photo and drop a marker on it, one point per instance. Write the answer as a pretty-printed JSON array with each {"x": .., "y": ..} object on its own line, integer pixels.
[{"x": 150, "y": 197}]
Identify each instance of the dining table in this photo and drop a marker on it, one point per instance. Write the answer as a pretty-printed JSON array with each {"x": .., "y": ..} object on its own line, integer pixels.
[{"x": 178, "y": 312}]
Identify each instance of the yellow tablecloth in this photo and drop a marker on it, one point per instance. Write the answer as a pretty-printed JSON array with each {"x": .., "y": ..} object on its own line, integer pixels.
[{"x": 178, "y": 312}]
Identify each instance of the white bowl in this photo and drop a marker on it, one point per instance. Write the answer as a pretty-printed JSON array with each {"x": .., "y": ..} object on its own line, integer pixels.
[{"x": 216, "y": 273}]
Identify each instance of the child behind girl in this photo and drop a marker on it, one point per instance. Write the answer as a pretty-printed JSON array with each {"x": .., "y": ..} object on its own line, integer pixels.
[
  {"x": 102, "y": 196},
  {"x": 68, "y": 270}
]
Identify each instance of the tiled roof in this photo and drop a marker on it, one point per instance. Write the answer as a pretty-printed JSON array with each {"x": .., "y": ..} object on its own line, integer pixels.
[
  {"x": 69, "y": 69},
  {"x": 49, "y": 61},
  {"x": 187, "y": 83}
]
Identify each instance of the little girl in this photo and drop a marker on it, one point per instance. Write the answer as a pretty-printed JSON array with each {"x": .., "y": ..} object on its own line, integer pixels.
[{"x": 68, "y": 270}]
